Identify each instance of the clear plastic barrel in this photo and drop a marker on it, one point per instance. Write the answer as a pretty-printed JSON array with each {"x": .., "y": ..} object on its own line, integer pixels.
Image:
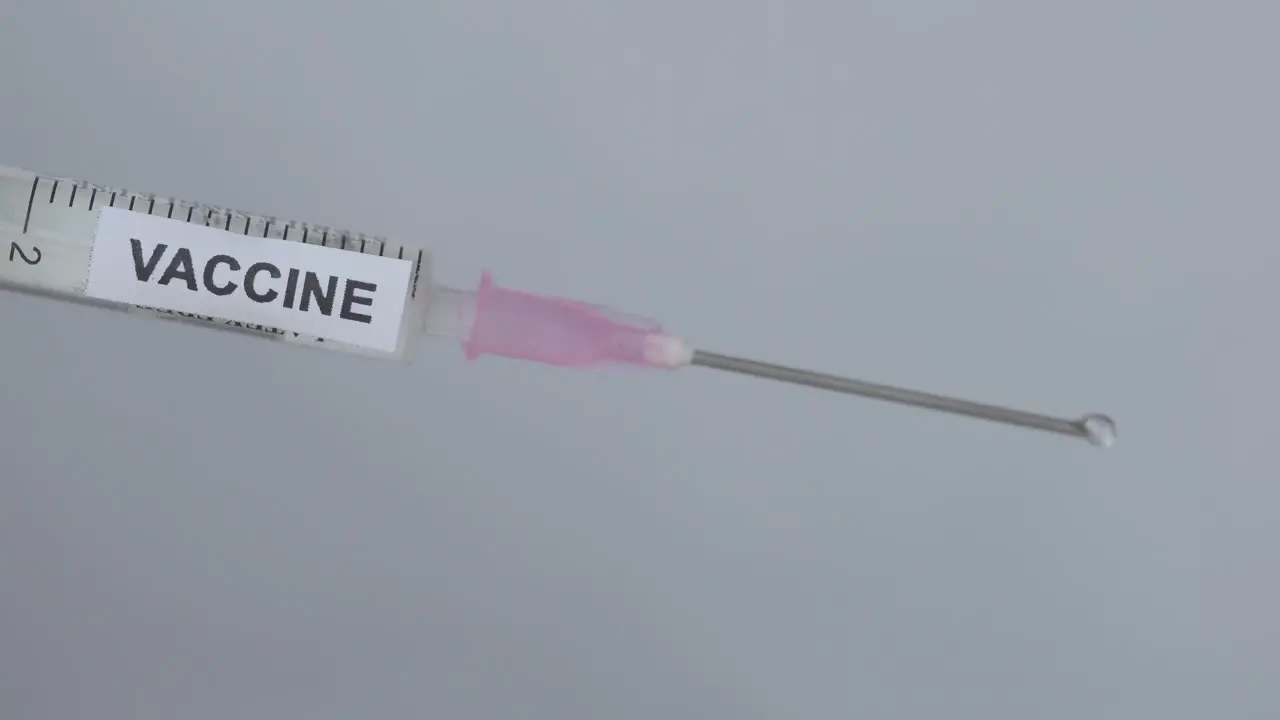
[{"x": 47, "y": 227}]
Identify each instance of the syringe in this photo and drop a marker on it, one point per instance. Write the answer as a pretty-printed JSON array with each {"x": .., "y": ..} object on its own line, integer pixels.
[{"x": 329, "y": 288}]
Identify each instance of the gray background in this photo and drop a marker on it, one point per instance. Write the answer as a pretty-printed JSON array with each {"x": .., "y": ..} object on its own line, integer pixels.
[{"x": 1061, "y": 206}]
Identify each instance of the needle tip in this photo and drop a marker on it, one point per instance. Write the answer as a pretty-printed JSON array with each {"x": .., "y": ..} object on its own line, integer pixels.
[{"x": 1099, "y": 429}]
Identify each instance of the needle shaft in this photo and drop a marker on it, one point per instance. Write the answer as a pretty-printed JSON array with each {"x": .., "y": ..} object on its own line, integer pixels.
[{"x": 1097, "y": 429}]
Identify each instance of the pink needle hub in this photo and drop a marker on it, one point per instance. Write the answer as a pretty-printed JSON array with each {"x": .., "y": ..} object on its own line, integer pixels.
[{"x": 554, "y": 331}]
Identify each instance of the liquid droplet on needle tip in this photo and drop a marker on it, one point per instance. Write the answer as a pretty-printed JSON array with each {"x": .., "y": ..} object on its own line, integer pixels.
[{"x": 1099, "y": 429}]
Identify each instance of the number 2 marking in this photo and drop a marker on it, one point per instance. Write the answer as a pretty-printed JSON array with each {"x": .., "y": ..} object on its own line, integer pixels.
[{"x": 14, "y": 248}]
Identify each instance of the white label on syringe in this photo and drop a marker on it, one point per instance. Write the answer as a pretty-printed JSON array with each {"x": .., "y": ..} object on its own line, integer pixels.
[{"x": 327, "y": 292}]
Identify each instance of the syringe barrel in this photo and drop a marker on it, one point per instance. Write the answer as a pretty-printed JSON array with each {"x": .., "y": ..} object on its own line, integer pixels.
[{"x": 48, "y": 225}]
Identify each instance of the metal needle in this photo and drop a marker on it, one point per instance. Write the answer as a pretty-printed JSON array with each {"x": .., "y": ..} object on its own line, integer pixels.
[{"x": 1098, "y": 429}]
